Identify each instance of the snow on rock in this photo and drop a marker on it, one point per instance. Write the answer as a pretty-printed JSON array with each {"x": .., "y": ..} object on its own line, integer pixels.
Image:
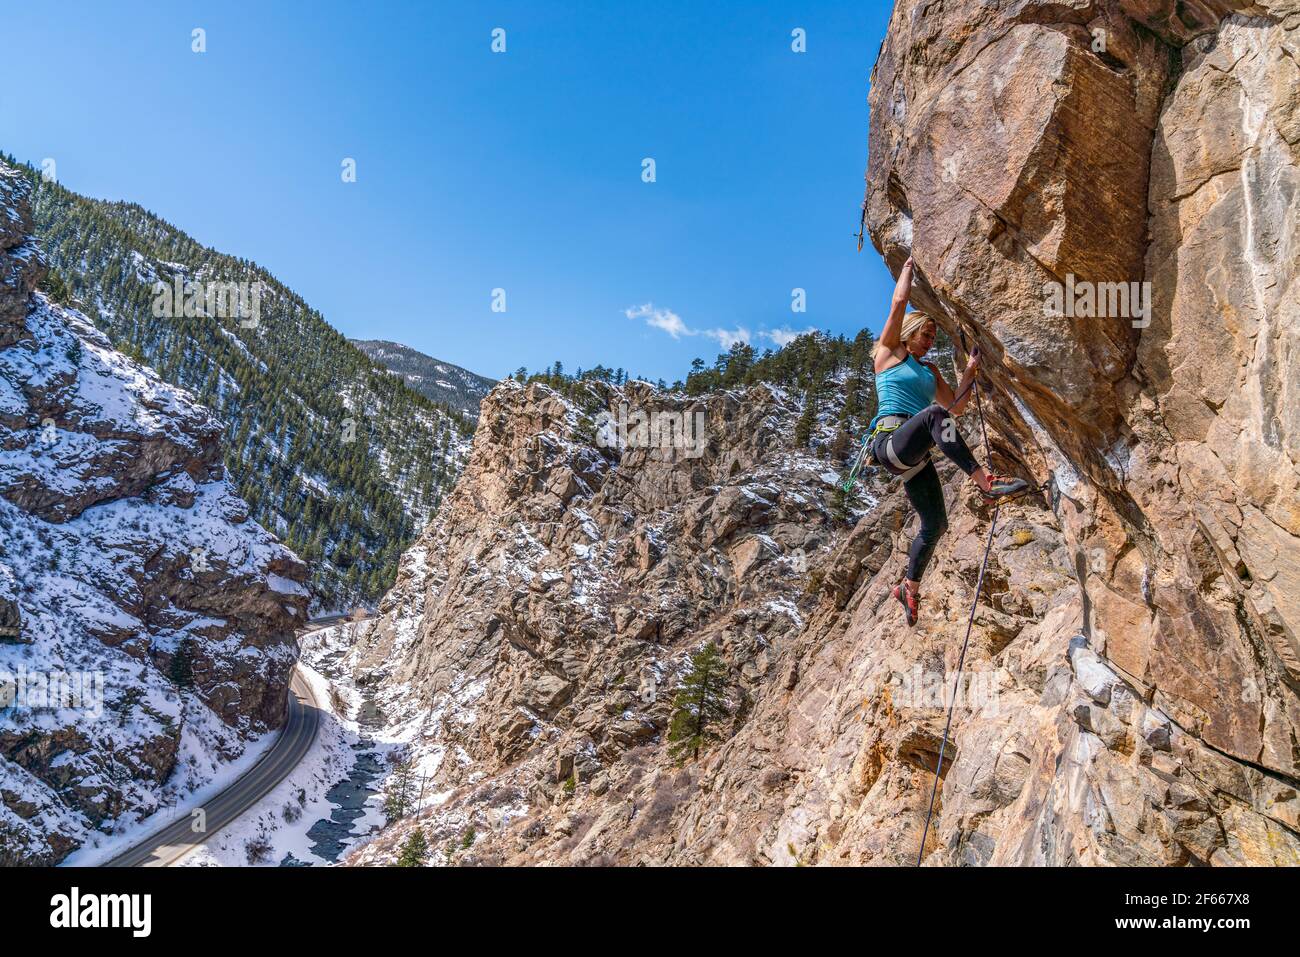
[{"x": 146, "y": 626}]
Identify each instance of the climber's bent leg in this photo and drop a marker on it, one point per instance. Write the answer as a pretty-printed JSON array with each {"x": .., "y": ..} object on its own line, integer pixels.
[{"x": 933, "y": 426}]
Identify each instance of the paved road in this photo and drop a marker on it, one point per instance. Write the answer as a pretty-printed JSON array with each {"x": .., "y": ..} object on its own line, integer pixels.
[{"x": 176, "y": 839}]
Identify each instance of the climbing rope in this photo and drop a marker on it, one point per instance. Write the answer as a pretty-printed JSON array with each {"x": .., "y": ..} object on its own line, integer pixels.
[
  {"x": 970, "y": 622},
  {"x": 1050, "y": 485}
]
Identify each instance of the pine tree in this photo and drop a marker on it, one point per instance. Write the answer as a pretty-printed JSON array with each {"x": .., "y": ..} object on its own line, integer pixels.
[
  {"x": 803, "y": 429},
  {"x": 280, "y": 387},
  {"x": 840, "y": 447},
  {"x": 699, "y": 705},
  {"x": 415, "y": 849},
  {"x": 843, "y": 503},
  {"x": 56, "y": 287},
  {"x": 182, "y": 665},
  {"x": 401, "y": 792},
  {"x": 945, "y": 355}
]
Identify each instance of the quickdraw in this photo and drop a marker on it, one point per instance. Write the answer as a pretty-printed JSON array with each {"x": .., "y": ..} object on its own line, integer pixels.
[{"x": 847, "y": 484}]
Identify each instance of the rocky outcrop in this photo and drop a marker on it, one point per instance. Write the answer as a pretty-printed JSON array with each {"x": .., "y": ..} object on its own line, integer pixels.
[
  {"x": 530, "y": 651},
  {"x": 538, "y": 630},
  {"x": 146, "y": 626},
  {"x": 1130, "y": 143},
  {"x": 1130, "y": 693}
]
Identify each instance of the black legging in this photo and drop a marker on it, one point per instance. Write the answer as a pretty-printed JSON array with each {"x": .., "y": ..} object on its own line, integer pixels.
[{"x": 912, "y": 440}]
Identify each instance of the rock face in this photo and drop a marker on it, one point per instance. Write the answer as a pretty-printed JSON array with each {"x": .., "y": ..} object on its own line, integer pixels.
[
  {"x": 146, "y": 627},
  {"x": 1125, "y": 142},
  {"x": 532, "y": 645},
  {"x": 1130, "y": 694}
]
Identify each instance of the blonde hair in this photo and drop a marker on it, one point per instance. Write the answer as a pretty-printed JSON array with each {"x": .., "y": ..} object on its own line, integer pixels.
[{"x": 912, "y": 325}]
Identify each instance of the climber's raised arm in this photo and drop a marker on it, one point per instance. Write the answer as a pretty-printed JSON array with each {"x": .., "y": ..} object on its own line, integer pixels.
[{"x": 890, "y": 336}]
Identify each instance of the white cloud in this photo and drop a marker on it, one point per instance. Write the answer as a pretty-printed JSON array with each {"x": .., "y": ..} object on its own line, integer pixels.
[
  {"x": 671, "y": 323},
  {"x": 784, "y": 336},
  {"x": 728, "y": 337},
  {"x": 664, "y": 319}
]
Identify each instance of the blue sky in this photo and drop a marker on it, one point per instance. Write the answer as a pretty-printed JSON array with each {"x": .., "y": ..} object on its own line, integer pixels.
[{"x": 476, "y": 171}]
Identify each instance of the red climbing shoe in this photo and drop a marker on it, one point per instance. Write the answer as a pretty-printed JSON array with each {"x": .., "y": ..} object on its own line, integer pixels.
[
  {"x": 911, "y": 603},
  {"x": 1004, "y": 486}
]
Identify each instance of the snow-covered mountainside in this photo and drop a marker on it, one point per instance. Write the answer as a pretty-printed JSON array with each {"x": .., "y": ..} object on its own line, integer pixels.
[
  {"x": 438, "y": 380},
  {"x": 333, "y": 453},
  {"x": 146, "y": 624}
]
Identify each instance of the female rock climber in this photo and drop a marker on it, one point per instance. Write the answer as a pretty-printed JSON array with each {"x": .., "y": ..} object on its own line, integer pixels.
[{"x": 917, "y": 410}]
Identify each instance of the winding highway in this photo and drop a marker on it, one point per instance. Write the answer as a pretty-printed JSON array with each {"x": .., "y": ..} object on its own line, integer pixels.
[{"x": 173, "y": 841}]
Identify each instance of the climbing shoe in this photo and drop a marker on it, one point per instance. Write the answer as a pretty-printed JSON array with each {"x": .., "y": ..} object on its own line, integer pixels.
[
  {"x": 1003, "y": 486},
  {"x": 911, "y": 603}
]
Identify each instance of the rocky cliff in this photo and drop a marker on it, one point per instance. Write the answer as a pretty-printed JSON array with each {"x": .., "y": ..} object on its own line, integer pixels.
[
  {"x": 1019, "y": 150},
  {"x": 146, "y": 626},
  {"x": 531, "y": 647},
  {"x": 1130, "y": 694}
]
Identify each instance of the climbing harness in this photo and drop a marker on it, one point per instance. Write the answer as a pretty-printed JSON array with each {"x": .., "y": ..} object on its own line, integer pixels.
[{"x": 892, "y": 463}]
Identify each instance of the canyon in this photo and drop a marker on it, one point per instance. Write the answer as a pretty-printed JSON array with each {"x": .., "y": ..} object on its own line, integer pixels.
[
  {"x": 1138, "y": 622},
  {"x": 1129, "y": 686}
]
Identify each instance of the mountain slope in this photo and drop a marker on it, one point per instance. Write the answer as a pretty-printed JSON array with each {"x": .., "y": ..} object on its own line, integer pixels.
[
  {"x": 146, "y": 625},
  {"x": 332, "y": 453},
  {"x": 440, "y": 381}
]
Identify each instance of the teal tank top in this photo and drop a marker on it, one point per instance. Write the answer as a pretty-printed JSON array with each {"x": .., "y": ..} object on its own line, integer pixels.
[{"x": 904, "y": 389}]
